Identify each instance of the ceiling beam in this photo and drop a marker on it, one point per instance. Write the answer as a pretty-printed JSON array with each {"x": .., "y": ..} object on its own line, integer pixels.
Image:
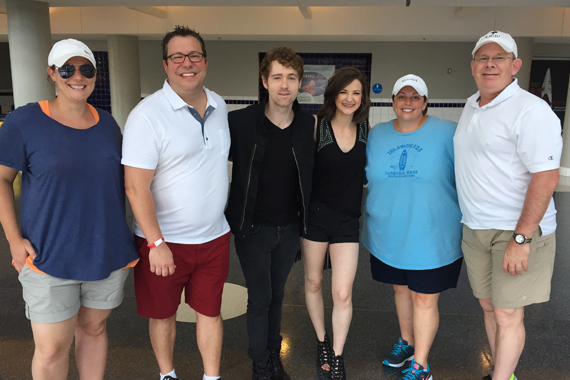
[
  {"x": 464, "y": 12},
  {"x": 305, "y": 11},
  {"x": 158, "y": 12}
]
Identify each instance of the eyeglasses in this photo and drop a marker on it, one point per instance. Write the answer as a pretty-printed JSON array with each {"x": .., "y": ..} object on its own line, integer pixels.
[
  {"x": 193, "y": 57},
  {"x": 68, "y": 70},
  {"x": 499, "y": 59}
]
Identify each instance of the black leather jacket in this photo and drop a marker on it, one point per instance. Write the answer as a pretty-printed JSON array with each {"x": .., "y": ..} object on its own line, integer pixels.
[{"x": 249, "y": 141}]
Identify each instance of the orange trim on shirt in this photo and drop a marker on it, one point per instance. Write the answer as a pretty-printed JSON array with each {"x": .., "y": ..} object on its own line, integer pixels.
[
  {"x": 131, "y": 264},
  {"x": 94, "y": 112},
  {"x": 30, "y": 264},
  {"x": 44, "y": 105}
]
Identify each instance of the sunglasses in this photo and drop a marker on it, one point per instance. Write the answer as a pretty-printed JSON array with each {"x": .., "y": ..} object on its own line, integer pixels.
[{"x": 67, "y": 71}]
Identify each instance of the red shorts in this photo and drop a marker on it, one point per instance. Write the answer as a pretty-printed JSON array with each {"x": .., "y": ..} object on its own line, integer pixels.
[{"x": 201, "y": 269}]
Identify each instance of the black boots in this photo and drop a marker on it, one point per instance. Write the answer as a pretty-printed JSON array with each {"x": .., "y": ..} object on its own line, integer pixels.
[
  {"x": 324, "y": 357},
  {"x": 337, "y": 368},
  {"x": 262, "y": 373},
  {"x": 277, "y": 372}
]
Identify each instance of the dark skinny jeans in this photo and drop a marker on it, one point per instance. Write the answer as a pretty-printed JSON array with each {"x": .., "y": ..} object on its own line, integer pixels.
[{"x": 266, "y": 256}]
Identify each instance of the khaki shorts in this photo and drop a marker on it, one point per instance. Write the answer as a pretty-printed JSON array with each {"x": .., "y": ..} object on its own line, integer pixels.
[
  {"x": 484, "y": 251},
  {"x": 50, "y": 299}
]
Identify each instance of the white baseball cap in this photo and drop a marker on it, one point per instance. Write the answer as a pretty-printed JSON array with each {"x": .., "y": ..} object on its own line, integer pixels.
[
  {"x": 413, "y": 81},
  {"x": 503, "y": 39},
  {"x": 65, "y": 49}
]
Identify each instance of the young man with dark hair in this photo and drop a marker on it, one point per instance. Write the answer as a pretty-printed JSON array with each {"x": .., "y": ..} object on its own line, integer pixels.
[
  {"x": 272, "y": 152},
  {"x": 174, "y": 150}
]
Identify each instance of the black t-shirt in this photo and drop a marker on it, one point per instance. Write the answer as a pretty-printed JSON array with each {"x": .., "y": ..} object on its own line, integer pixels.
[
  {"x": 276, "y": 202},
  {"x": 338, "y": 176}
]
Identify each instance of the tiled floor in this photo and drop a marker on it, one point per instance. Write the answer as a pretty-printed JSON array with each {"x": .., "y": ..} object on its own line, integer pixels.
[{"x": 460, "y": 350}]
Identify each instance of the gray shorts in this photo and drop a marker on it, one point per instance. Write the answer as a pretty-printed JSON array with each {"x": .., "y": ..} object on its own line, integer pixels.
[{"x": 50, "y": 299}]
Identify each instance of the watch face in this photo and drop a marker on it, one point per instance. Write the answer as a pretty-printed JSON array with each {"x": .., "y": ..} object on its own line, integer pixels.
[{"x": 519, "y": 239}]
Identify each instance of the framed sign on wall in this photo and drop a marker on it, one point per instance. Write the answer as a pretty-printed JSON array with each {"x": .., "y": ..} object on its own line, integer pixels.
[{"x": 549, "y": 81}]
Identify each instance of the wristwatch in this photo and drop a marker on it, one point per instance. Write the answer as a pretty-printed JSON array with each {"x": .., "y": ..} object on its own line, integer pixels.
[{"x": 521, "y": 239}]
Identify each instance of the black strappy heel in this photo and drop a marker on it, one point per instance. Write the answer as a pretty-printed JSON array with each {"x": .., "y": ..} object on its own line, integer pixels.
[{"x": 324, "y": 357}]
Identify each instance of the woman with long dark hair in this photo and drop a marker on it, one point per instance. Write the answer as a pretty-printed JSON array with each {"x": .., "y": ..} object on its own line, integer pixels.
[{"x": 340, "y": 134}]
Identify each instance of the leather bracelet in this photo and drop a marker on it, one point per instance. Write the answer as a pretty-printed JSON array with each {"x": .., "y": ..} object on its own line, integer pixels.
[{"x": 156, "y": 243}]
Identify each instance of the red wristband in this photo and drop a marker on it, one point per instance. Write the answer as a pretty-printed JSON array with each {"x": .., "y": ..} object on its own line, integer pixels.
[{"x": 156, "y": 243}]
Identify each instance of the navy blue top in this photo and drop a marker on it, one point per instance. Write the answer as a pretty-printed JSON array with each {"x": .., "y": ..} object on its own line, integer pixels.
[
  {"x": 73, "y": 193},
  {"x": 338, "y": 176}
]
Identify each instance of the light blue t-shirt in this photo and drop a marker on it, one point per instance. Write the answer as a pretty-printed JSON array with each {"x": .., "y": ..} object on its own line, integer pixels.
[{"x": 412, "y": 217}]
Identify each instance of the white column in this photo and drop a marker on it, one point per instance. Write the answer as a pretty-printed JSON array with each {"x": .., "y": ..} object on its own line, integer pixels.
[
  {"x": 565, "y": 160},
  {"x": 124, "y": 75},
  {"x": 29, "y": 39},
  {"x": 524, "y": 47}
]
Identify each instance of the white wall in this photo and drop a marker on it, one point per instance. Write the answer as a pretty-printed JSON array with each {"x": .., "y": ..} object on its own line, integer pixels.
[
  {"x": 552, "y": 50},
  {"x": 233, "y": 65},
  {"x": 152, "y": 71}
]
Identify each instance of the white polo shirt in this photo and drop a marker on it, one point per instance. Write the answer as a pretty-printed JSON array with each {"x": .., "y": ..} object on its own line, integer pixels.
[
  {"x": 190, "y": 184},
  {"x": 497, "y": 148}
]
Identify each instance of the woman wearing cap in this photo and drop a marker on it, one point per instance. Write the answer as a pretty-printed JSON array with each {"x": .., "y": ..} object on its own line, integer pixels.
[
  {"x": 336, "y": 198},
  {"x": 74, "y": 239},
  {"x": 413, "y": 228}
]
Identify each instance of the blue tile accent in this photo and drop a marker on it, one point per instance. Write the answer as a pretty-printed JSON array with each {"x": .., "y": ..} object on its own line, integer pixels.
[
  {"x": 431, "y": 105},
  {"x": 101, "y": 96},
  {"x": 232, "y": 101},
  {"x": 373, "y": 104}
]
